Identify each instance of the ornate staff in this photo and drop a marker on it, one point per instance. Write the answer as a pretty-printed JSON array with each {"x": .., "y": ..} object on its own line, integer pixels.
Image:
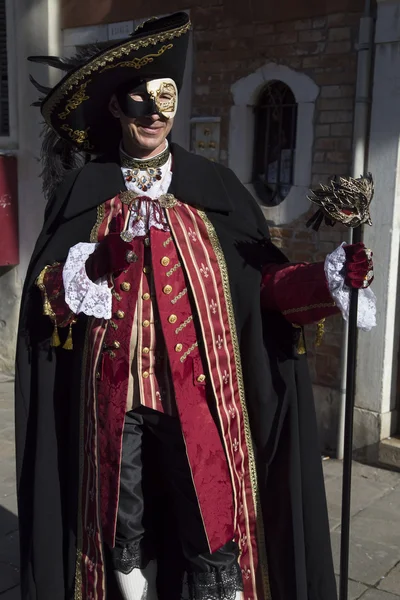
[{"x": 346, "y": 200}]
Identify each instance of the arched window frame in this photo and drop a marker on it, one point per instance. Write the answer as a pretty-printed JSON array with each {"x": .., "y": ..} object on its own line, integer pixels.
[
  {"x": 246, "y": 93},
  {"x": 274, "y": 152}
]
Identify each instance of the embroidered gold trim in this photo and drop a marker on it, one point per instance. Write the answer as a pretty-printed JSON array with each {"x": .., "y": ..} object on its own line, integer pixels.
[
  {"x": 252, "y": 464},
  {"x": 188, "y": 352},
  {"x": 114, "y": 325},
  {"x": 79, "y": 136},
  {"x": 179, "y": 296},
  {"x": 152, "y": 163},
  {"x": 292, "y": 311},
  {"x": 79, "y": 541},
  {"x": 127, "y": 197},
  {"x": 47, "y": 310},
  {"x": 168, "y": 241},
  {"x": 320, "y": 332},
  {"x": 138, "y": 63},
  {"x": 174, "y": 268},
  {"x": 76, "y": 100},
  {"x": 183, "y": 325},
  {"x": 106, "y": 58},
  {"x": 94, "y": 234},
  {"x": 167, "y": 201},
  {"x": 116, "y": 295}
]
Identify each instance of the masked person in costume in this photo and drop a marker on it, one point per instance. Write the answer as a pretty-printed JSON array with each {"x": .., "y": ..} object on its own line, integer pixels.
[{"x": 166, "y": 435}]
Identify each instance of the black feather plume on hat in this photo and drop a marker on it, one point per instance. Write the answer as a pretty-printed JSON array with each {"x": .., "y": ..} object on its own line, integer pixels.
[{"x": 57, "y": 155}]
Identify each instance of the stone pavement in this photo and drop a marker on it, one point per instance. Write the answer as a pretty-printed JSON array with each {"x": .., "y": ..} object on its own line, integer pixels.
[{"x": 375, "y": 541}]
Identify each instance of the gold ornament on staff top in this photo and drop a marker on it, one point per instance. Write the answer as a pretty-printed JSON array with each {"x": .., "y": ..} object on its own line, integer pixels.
[{"x": 346, "y": 200}]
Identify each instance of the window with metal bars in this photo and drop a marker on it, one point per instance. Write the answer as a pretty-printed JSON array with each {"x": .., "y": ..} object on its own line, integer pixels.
[
  {"x": 4, "y": 99},
  {"x": 275, "y": 143}
]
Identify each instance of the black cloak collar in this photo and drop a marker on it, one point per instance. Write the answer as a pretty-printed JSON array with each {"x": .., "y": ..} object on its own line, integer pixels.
[{"x": 195, "y": 181}]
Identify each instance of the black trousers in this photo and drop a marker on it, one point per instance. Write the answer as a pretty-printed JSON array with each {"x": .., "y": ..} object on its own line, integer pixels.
[{"x": 158, "y": 513}]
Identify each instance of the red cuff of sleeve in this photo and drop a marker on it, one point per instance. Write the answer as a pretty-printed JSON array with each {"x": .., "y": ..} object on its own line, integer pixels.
[
  {"x": 299, "y": 291},
  {"x": 50, "y": 283}
]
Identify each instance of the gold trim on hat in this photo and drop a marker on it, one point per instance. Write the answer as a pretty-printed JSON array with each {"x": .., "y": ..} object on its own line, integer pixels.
[
  {"x": 104, "y": 60},
  {"x": 79, "y": 136},
  {"x": 138, "y": 63},
  {"x": 75, "y": 101}
]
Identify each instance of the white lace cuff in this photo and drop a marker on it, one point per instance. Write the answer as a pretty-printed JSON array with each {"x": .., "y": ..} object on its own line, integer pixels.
[
  {"x": 340, "y": 292},
  {"x": 81, "y": 294}
]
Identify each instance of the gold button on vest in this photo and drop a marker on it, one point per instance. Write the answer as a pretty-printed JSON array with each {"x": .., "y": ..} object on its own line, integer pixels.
[
  {"x": 167, "y": 290},
  {"x": 125, "y": 286},
  {"x": 120, "y": 314},
  {"x": 172, "y": 319},
  {"x": 146, "y": 324},
  {"x": 165, "y": 261},
  {"x": 146, "y": 296}
]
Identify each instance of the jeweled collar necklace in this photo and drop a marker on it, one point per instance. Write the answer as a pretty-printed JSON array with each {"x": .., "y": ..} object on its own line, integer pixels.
[{"x": 156, "y": 162}]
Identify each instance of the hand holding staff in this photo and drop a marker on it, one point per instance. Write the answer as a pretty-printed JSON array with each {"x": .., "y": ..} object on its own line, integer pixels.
[{"x": 347, "y": 201}]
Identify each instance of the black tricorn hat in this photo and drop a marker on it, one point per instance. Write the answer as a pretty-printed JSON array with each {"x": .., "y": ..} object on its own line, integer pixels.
[{"x": 76, "y": 109}]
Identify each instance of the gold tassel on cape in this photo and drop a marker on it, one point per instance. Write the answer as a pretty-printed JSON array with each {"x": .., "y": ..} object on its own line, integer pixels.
[
  {"x": 68, "y": 342},
  {"x": 55, "y": 338},
  {"x": 301, "y": 344},
  {"x": 320, "y": 332}
]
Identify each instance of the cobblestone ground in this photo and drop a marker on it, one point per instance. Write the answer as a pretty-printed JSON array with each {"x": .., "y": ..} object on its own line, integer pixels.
[{"x": 375, "y": 527}]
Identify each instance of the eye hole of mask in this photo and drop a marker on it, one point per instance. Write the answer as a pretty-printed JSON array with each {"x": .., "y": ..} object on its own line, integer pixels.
[{"x": 157, "y": 96}]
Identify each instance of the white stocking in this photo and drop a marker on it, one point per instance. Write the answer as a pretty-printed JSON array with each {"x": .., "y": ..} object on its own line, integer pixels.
[{"x": 139, "y": 584}]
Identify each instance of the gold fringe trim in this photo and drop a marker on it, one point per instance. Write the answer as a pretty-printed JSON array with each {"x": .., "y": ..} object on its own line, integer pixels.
[
  {"x": 55, "y": 341},
  {"x": 55, "y": 338},
  {"x": 68, "y": 342},
  {"x": 292, "y": 311},
  {"x": 47, "y": 310},
  {"x": 94, "y": 234},
  {"x": 263, "y": 564},
  {"x": 301, "y": 344},
  {"x": 320, "y": 332}
]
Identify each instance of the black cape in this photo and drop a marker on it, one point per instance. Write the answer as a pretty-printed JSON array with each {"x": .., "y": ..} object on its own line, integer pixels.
[{"x": 277, "y": 385}]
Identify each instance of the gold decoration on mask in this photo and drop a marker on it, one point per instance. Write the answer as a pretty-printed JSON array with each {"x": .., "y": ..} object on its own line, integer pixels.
[{"x": 158, "y": 88}]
